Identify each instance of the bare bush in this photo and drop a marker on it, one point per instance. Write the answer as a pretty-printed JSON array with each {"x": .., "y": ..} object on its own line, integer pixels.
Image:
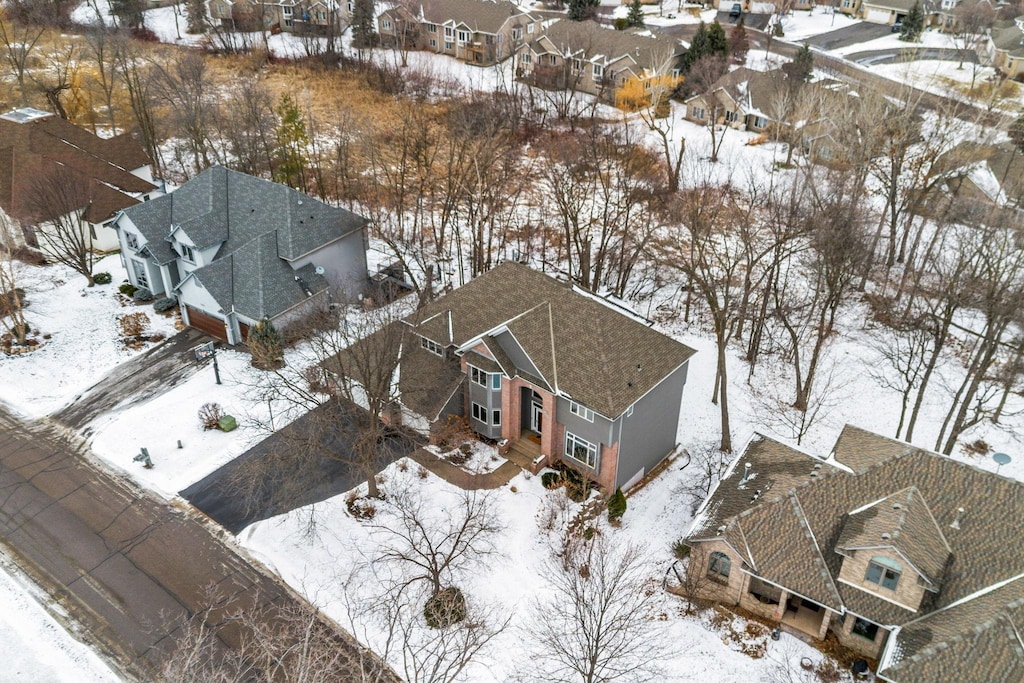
[{"x": 210, "y": 415}]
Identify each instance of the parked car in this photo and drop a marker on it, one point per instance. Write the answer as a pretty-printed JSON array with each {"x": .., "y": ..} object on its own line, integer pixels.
[
  {"x": 897, "y": 27},
  {"x": 736, "y": 11}
]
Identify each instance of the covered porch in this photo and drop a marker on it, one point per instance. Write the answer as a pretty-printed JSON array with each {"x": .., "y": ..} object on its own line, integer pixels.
[{"x": 805, "y": 616}]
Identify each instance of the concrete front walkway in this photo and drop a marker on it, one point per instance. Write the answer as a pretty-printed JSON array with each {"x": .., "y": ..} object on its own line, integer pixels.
[{"x": 463, "y": 479}]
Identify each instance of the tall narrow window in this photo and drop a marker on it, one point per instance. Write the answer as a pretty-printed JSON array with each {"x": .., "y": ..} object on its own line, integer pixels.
[
  {"x": 719, "y": 566},
  {"x": 141, "y": 277}
]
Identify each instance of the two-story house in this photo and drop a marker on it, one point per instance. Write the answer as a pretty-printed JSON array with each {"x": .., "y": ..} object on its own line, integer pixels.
[
  {"x": 562, "y": 375},
  {"x": 587, "y": 57},
  {"x": 316, "y": 17},
  {"x": 235, "y": 249},
  {"x": 907, "y": 556},
  {"x": 475, "y": 31},
  {"x": 52, "y": 171},
  {"x": 1006, "y": 47}
]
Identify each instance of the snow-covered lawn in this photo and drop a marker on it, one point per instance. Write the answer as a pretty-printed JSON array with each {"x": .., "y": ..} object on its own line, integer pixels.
[
  {"x": 345, "y": 550},
  {"x": 118, "y": 436},
  {"x": 801, "y": 25},
  {"x": 84, "y": 336},
  {"x": 33, "y": 646},
  {"x": 892, "y": 42}
]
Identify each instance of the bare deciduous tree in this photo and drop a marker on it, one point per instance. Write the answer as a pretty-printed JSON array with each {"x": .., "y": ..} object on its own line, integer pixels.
[
  {"x": 12, "y": 311},
  {"x": 58, "y": 200},
  {"x": 600, "y": 622}
]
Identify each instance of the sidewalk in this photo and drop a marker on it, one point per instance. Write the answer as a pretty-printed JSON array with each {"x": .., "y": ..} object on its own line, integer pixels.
[{"x": 463, "y": 479}]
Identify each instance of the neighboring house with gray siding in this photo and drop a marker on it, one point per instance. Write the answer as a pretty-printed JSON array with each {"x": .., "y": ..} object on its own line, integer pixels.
[
  {"x": 906, "y": 556},
  {"x": 561, "y": 375},
  {"x": 235, "y": 249}
]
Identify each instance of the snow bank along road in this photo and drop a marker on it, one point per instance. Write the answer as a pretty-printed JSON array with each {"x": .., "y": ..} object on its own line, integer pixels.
[{"x": 125, "y": 565}]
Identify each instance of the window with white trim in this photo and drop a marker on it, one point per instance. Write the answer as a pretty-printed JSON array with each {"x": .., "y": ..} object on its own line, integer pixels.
[
  {"x": 629, "y": 411},
  {"x": 141, "y": 276},
  {"x": 449, "y": 45},
  {"x": 698, "y": 113},
  {"x": 496, "y": 381},
  {"x": 385, "y": 24},
  {"x": 580, "y": 450},
  {"x": 432, "y": 42},
  {"x": 463, "y": 36},
  {"x": 496, "y": 418},
  {"x": 517, "y": 34},
  {"x": 287, "y": 11},
  {"x": 187, "y": 253},
  {"x": 731, "y": 116},
  {"x": 479, "y": 413},
  {"x": 431, "y": 28},
  {"x": 527, "y": 58},
  {"x": 449, "y": 32},
  {"x": 598, "y": 72},
  {"x": 719, "y": 566},
  {"x": 131, "y": 240},
  {"x": 553, "y": 59},
  {"x": 432, "y": 346},
  {"x": 580, "y": 410},
  {"x": 576, "y": 65},
  {"x": 478, "y": 376},
  {"x": 760, "y": 122},
  {"x": 529, "y": 28}
]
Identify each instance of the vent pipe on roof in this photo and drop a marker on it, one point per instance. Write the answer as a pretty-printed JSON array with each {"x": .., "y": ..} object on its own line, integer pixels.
[
  {"x": 955, "y": 524},
  {"x": 746, "y": 474}
]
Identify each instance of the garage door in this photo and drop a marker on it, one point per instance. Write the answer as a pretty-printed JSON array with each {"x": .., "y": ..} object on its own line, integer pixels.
[
  {"x": 878, "y": 16},
  {"x": 206, "y": 323}
]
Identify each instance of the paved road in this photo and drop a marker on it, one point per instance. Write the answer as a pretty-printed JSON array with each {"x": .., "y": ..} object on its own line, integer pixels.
[
  {"x": 124, "y": 565},
  {"x": 291, "y": 468},
  {"x": 849, "y": 35},
  {"x": 155, "y": 371}
]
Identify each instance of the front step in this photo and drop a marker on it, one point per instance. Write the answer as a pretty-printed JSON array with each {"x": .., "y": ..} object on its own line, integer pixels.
[{"x": 526, "y": 453}]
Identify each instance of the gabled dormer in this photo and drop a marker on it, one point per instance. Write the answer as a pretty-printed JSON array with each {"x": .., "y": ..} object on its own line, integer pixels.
[{"x": 894, "y": 549}]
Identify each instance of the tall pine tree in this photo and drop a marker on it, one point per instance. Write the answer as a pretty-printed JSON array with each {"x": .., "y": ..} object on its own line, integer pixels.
[
  {"x": 913, "y": 24},
  {"x": 292, "y": 143},
  {"x": 739, "y": 44},
  {"x": 364, "y": 33},
  {"x": 635, "y": 18}
]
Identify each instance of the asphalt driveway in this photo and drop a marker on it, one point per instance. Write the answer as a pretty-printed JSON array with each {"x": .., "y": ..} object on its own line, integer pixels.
[
  {"x": 850, "y": 35},
  {"x": 292, "y": 468},
  {"x": 911, "y": 54}
]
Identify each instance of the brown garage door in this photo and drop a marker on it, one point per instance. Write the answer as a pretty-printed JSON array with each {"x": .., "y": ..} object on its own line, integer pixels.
[{"x": 207, "y": 323}]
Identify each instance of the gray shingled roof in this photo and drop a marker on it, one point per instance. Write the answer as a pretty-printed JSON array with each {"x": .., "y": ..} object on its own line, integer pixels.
[
  {"x": 260, "y": 226},
  {"x": 1007, "y": 35},
  {"x": 593, "y": 40},
  {"x": 254, "y": 281},
  {"x": 969, "y": 560},
  {"x": 483, "y": 16},
  {"x": 588, "y": 351}
]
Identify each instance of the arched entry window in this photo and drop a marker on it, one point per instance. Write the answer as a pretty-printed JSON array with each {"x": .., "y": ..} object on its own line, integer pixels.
[{"x": 719, "y": 566}]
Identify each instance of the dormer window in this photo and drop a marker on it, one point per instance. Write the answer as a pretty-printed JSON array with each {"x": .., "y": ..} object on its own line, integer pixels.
[
  {"x": 432, "y": 346},
  {"x": 131, "y": 240},
  {"x": 187, "y": 253},
  {"x": 883, "y": 572}
]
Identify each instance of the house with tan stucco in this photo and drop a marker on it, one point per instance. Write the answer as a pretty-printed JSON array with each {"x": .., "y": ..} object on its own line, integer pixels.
[{"x": 909, "y": 557}]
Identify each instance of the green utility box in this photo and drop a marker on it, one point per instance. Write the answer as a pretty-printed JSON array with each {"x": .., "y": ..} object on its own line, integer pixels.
[{"x": 227, "y": 423}]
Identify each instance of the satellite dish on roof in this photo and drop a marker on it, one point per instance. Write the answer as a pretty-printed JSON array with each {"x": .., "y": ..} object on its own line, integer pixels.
[{"x": 1001, "y": 459}]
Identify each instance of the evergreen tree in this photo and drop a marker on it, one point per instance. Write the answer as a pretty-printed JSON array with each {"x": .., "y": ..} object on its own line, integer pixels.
[
  {"x": 698, "y": 47},
  {"x": 197, "y": 18},
  {"x": 913, "y": 24},
  {"x": 582, "y": 9},
  {"x": 739, "y": 45},
  {"x": 266, "y": 345},
  {"x": 616, "y": 505},
  {"x": 364, "y": 33},
  {"x": 801, "y": 68},
  {"x": 635, "y": 17},
  {"x": 128, "y": 12},
  {"x": 718, "y": 44},
  {"x": 292, "y": 142},
  {"x": 1016, "y": 133}
]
